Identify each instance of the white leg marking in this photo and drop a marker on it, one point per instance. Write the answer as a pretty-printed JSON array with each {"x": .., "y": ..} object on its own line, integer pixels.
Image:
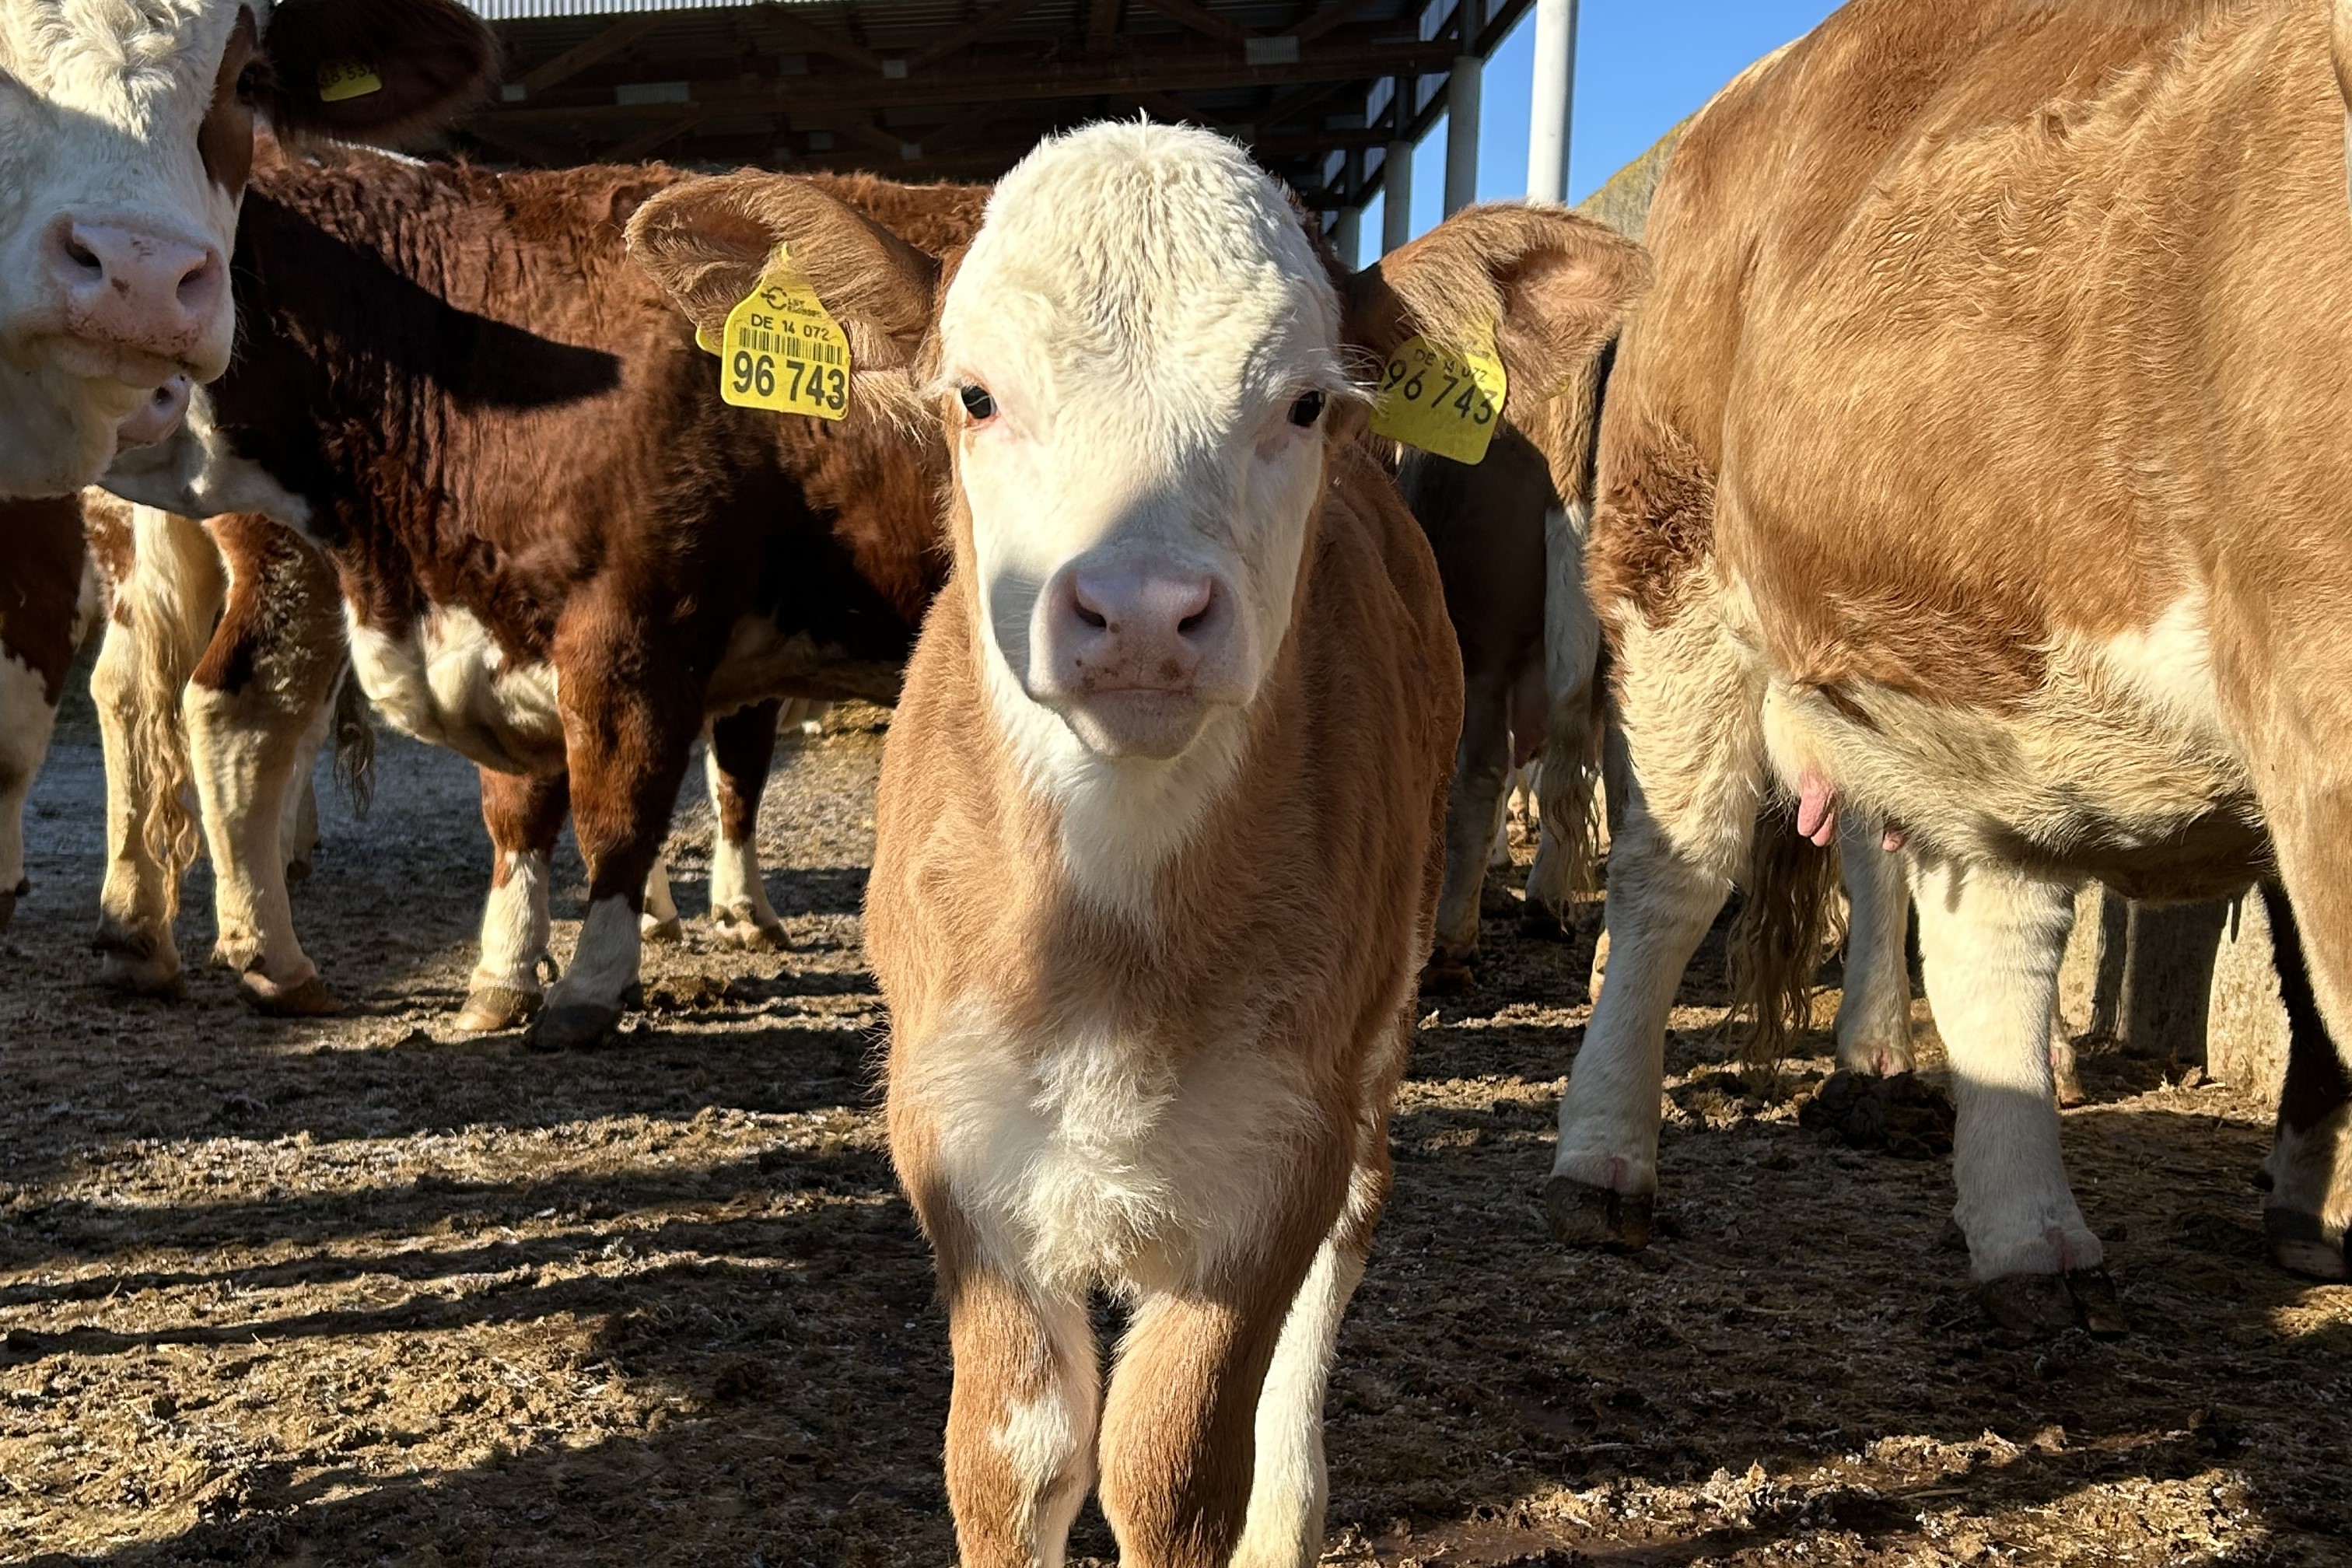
[
  {"x": 739, "y": 897},
  {"x": 1049, "y": 1441},
  {"x": 1992, "y": 941},
  {"x": 515, "y": 925},
  {"x": 604, "y": 965},
  {"x": 1874, "y": 1021},
  {"x": 26, "y": 721},
  {"x": 243, "y": 771},
  {"x": 1292, "y": 1484},
  {"x": 1659, "y": 907},
  {"x": 658, "y": 920}
]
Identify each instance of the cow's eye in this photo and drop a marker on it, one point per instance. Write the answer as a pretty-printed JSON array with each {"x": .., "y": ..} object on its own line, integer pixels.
[
  {"x": 253, "y": 82},
  {"x": 1306, "y": 410},
  {"x": 977, "y": 403}
]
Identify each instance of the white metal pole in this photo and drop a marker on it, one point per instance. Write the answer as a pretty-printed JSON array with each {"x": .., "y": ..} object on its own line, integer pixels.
[
  {"x": 1348, "y": 237},
  {"x": 1552, "y": 100},
  {"x": 1462, "y": 113},
  {"x": 1396, "y": 172}
]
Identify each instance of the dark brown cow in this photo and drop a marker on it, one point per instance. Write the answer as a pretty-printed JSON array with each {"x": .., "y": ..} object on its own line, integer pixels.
[
  {"x": 558, "y": 549},
  {"x": 48, "y": 602}
]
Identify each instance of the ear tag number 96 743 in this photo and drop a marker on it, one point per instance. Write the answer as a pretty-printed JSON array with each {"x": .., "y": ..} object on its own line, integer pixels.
[
  {"x": 780, "y": 350},
  {"x": 1441, "y": 400}
]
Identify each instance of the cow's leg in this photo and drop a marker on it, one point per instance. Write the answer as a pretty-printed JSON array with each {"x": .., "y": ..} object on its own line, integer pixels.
[
  {"x": 524, "y": 814},
  {"x": 1874, "y": 1021},
  {"x": 742, "y": 745},
  {"x": 168, "y": 588},
  {"x": 1482, "y": 763},
  {"x": 2310, "y": 1167},
  {"x": 659, "y": 921},
  {"x": 629, "y": 721},
  {"x": 1991, "y": 941},
  {"x": 26, "y": 717},
  {"x": 298, "y": 834},
  {"x": 1020, "y": 1416},
  {"x": 1617, "y": 793},
  {"x": 1179, "y": 1422},
  {"x": 256, "y": 707},
  {"x": 1292, "y": 1484},
  {"x": 1692, "y": 714}
]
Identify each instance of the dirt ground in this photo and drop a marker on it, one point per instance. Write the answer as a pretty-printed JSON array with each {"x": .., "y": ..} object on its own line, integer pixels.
[{"x": 364, "y": 1291}]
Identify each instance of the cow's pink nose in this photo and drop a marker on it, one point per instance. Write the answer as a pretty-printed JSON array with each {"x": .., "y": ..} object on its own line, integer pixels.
[
  {"x": 1130, "y": 630},
  {"x": 136, "y": 288}
]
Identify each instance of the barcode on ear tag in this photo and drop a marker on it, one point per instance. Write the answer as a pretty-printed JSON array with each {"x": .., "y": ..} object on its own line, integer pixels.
[
  {"x": 781, "y": 349},
  {"x": 342, "y": 79},
  {"x": 1441, "y": 400}
]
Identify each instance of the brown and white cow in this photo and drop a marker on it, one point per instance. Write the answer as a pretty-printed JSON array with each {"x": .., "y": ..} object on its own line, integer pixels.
[
  {"x": 558, "y": 551},
  {"x": 49, "y": 602},
  {"x": 126, "y": 130},
  {"x": 1979, "y": 463},
  {"x": 1157, "y": 837}
]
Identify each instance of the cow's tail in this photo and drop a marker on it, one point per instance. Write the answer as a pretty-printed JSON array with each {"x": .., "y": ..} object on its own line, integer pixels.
[
  {"x": 1785, "y": 923},
  {"x": 354, "y": 744},
  {"x": 174, "y": 598}
]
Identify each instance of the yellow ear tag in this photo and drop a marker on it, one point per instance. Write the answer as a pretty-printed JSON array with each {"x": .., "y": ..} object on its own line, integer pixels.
[
  {"x": 780, "y": 350},
  {"x": 340, "y": 79},
  {"x": 1444, "y": 401}
]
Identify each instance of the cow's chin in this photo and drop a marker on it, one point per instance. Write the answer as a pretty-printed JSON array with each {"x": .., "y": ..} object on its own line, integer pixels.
[{"x": 1141, "y": 725}]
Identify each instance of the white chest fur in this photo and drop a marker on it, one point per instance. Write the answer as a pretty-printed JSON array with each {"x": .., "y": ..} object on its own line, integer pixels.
[{"x": 1096, "y": 1159}]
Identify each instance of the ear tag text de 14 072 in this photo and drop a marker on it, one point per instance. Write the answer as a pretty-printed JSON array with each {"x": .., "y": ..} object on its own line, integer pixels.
[
  {"x": 1441, "y": 400},
  {"x": 780, "y": 349},
  {"x": 342, "y": 79}
]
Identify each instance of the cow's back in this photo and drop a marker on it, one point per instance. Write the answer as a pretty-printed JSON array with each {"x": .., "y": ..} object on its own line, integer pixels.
[{"x": 1966, "y": 310}]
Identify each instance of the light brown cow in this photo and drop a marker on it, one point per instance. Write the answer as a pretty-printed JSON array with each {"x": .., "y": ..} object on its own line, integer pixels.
[
  {"x": 1157, "y": 839},
  {"x": 1980, "y": 461}
]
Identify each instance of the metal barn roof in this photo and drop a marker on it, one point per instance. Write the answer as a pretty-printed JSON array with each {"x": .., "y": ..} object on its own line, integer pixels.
[{"x": 960, "y": 88}]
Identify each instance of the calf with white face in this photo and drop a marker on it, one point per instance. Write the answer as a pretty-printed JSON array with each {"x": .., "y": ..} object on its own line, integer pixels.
[
  {"x": 1157, "y": 836},
  {"x": 126, "y": 133}
]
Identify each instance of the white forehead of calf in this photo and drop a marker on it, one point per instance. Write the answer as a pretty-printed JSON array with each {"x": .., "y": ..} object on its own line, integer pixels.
[
  {"x": 1146, "y": 282},
  {"x": 109, "y": 78}
]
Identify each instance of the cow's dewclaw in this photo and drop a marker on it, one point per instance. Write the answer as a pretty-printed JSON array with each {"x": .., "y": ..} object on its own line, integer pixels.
[
  {"x": 1581, "y": 1214},
  {"x": 662, "y": 933}
]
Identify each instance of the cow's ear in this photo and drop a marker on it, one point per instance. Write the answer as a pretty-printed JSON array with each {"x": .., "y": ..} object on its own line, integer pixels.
[
  {"x": 376, "y": 71},
  {"x": 706, "y": 242},
  {"x": 1554, "y": 288}
]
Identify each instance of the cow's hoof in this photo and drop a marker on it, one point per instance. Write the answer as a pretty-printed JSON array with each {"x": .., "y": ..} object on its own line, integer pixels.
[
  {"x": 661, "y": 933},
  {"x": 308, "y": 998},
  {"x": 490, "y": 1008},
  {"x": 1450, "y": 972},
  {"x": 142, "y": 976},
  {"x": 297, "y": 871},
  {"x": 2053, "y": 1303},
  {"x": 1582, "y": 1215},
  {"x": 1538, "y": 923},
  {"x": 742, "y": 930},
  {"x": 572, "y": 1027},
  {"x": 2070, "y": 1090},
  {"x": 2300, "y": 1244},
  {"x": 9, "y": 906}
]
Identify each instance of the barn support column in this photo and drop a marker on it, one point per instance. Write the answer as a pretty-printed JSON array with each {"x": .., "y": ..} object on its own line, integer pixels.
[
  {"x": 1349, "y": 236},
  {"x": 1396, "y": 169},
  {"x": 1462, "y": 89},
  {"x": 1550, "y": 104}
]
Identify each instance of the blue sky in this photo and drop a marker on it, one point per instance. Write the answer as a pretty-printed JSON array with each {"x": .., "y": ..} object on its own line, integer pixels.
[{"x": 1641, "y": 65}]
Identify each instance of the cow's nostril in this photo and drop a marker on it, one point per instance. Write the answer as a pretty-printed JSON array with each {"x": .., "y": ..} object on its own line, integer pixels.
[
  {"x": 1191, "y": 623},
  {"x": 81, "y": 254},
  {"x": 1091, "y": 618}
]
